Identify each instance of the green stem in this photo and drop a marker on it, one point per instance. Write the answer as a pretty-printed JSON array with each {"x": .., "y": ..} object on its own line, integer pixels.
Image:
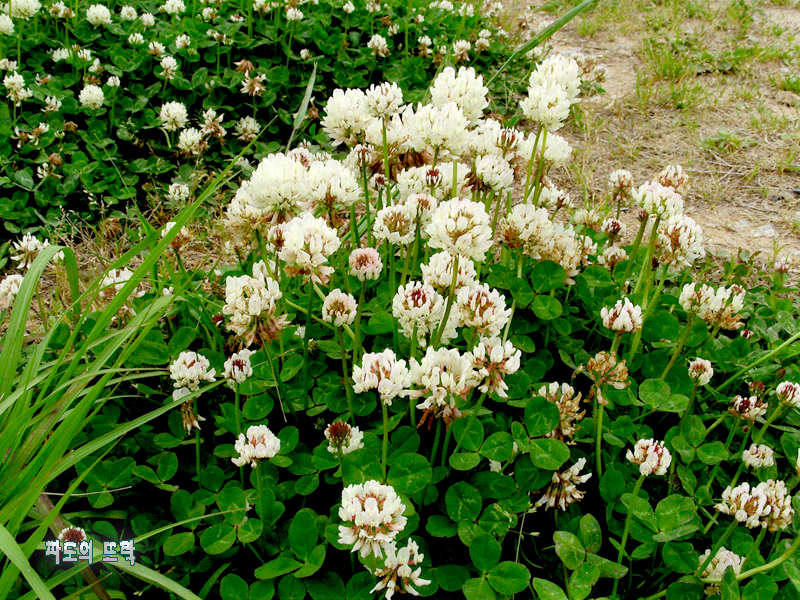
[
  {"x": 198, "y": 464},
  {"x": 445, "y": 445},
  {"x": 530, "y": 164},
  {"x": 679, "y": 348},
  {"x": 346, "y": 378},
  {"x": 647, "y": 266},
  {"x": 634, "y": 250},
  {"x": 436, "y": 439},
  {"x": 357, "y": 349},
  {"x": 755, "y": 546},
  {"x": 279, "y": 383},
  {"x": 386, "y": 160},
  {"x": 385, "y": 447},
  {"x": 767, "y": 356},
  {"x": 773, "y": 563},
  {"x": 305, "y": 345},
  {"x": 238, "y": 424},
  {"x": 513, "y": 301},
  {"x": 626, "y": 530},
  {"x": 449, "y": 305}
]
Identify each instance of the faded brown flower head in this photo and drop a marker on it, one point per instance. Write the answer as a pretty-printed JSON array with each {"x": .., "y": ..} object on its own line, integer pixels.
[
  {"x": 569, "y": 409},
  {"x": 72, "y": 534},
  {"x": 604, "y": 369},
  {"x": 244, "y": 66}
]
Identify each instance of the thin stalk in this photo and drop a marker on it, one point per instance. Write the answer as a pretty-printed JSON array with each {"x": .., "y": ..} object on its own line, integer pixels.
[
  {"x": 767, "y": 356},
  {"x": 679, "y": 348},
  {"x": 445, "y": 445},
  {"x": 197, "y": 452},
  {"x": 279, "y": 384},
  {"x": 754, "y": 548},
  {"x": 449, "y": 305},
  {"x": 354, "y": 228},
  {"x": 634, "y": 249},
  {"x": 513, "y": 301},
  {"x": 600, "y": 410},
  {"x": 386, "y": 160},
  {"x": 626, "y": 531},
  {"x": 436, "y": 439},
  {"x": 357, "y": 323},
  {"x": 530, "y": 164},
  {"x": 385, "y": 446},
  {"x": 305, "y": 345},
  {"x": 773, "y": 563},
  {"x": 413, "y": 354},
  {"x": 238, "y": 424},
  {"x": 346, "y": 378},
  {"x": 647, "y": 266},
  {"x": 540, "y": 172}
]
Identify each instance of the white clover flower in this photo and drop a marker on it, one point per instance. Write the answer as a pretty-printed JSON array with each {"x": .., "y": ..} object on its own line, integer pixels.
[
  {"x": 613, "y": 228},
  {"x": 395, "y": 225},
  {"x": 443, "y": 374},
  {"x": 620, "y": 182},
  {"x": 547, "y": 104},
  {"x": 15, "y": 85},
  {"x": 438, "y": 273},
  {"x": 612, "y": 256},
  {"x": 342, "y": 437},
  {"x": 238, "y": 367},
  {"x": 27, "y": 249},
  {"x": 560, "y": 70},
  {"x": 331, "y": 185},
  {"x": 788, "y": 393},
  {"x": 305, "y": 54},
  {"x": 168, "y": 65},
  {"x": 113, "y": 82},
  {"x": 275, "y": 188},
  {"x": 183, "y": 41},
  {"x": 441, "y": 130},
  {"x": 748, "y": 408},
  {"x": 759, "y": 456},
  {"x": 557, "y": 151},
  {"x": 251, "y": 304},
  {"x": 156, "y": 49},
  {"x": 191, "y": 141},
  {"x": 381, "y": 371},
  {"x": 421, "y": 207},
  {"x": 173, "y": 7},
  {"x": 148, "y": 20},
  {"x": 679, "y": 241},
  {"x": 397, "y": 570},
  {"x": 173, "y": 116},
  {"x": 718, "y": 308},
  {"x": 483, "y": 309},
  {"x": 675, "y": 177},
  {"x": 563, "y": 489},
  {"x": 72, "y": 534},
  {"x": 658, "y": 200},
  {"x": 9, "y": 288},
  {"x": 180, "y": 239},
  {"x": 247, "y": 129},
  {"x": 378, "y": 45},
  {"x": 178, "y": 192},
  {"x": 136, "y": 39},
  {"x": 527, "y": 227},
  {"x": 624, "y": 316},
  {"x": 97, "y": 15},
  {"x": 189, "y": 369},
  {"x": 766, "y": 505},
  {"x": 722, "y": 560},
  {"x": 345, "y": 117},
  {"x": 339, "y": 308},
  {"x": 651, "y": 456},
  {"x": 6, "y": 24},
  {"x": 494, "y": 172},
  {"x": 701, "y": 371},
  {"x": 258, "y": 444},
  {"x": 465, "y": 89},
  {"x": 365, "y": 264},
  {"x": 294, "y": 14},
  {"x": 309, "y": 243},
  {"x": 417, "y": 306},
  {"x": 461, "y": 227},
  {"x": 128, "y": 13},
  {"x": 348, "y": 7},
  {"x": 492, "y": 360},
  {"x": 461, "y": 50},
  {"x": 372, "y": 516},
  {"x": 23, "y": 9},
  {"x": 382, "y": 101}
]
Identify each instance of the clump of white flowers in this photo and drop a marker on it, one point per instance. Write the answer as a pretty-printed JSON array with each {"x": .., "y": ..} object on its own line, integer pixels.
[
  {"x": 92, "y": 96},
  {"x": 372, "y": 516},
  {"x": 563, "y": 488},
  {"x": 9, "y": 288},
  {"x": 309, "y": 242},
  {"x": 701, "y": 371},
  {"x": 365, "y": 264},
  {"x": 188, "y": 370},
  {"x": 767, "y": 505},
  {"x": 462, "y": 228},
  {"x": 258, "y": 444},
  {"x": 398, "y": 571},
  {"x": 97, "y": 15},
  {"x": 722, "y": 560},
  {"x": 173, "y": 116},
  {"x": 651, "y": 456},
  {"x": 492, "y": 360},
  {"x": 788, "y": 393},
  {"x": 251, "y": 303}
]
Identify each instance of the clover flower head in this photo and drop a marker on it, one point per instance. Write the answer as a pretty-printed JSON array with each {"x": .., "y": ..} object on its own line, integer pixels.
[
  {"x": 482, "y": 309},
  {"x": 651, "y": 456},
  {"x": 438, "y": 272},
  {"x": 173, "y": 116},
  {"x": 492, "y": 360},
  {"x": 443, "y": 374},
  {"x": 383, "y": 101},
  {"x": 563, "y": 488},
  {"x": 339, "y": 308},
  {"x": 722, "y": 560},
  {"x": 309, "y": 243},
  {"x": 383, "y": 372},
  {"x": 372, "y": 516},
  {"x": 767, "y": 505},
  {"x": 788, "y": 393},
  {"x": 624, "y": 316},
  {"x": 659, "y": 201},
  {"x": 258, "y": 444},
  {"x": 189, "y": 369},
  {"x": 419, "y": 308},
  {"x": 569, "y": 409},
  {"x": 701, "y": 371},
  {"x": 97, "y": 15},
  {"x": 465, "y": 88},
  {"x": 461, "y": 227},
  {"x": 342, "y": 436},
  {"x": 9, "y": 288},
  {"x": 365, "y": 264},
  {"x": 91, "y": 96},
  {"x": 398, "y": 571},
  {"x": 72, "y": 534},
  {"x": 612, "y": 256},
  {"x": 673, "y": 176},
  {"x": 238, "y": 367},
  {"x": 748, "y": 408},
  {"x": 759, "y": 456}
]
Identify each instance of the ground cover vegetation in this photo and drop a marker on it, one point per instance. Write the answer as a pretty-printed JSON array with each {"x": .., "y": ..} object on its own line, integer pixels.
[{"x": 414, "y": 366}]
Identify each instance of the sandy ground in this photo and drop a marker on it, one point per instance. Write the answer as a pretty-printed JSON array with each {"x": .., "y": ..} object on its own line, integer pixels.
[{"x": 722, "y": 115}]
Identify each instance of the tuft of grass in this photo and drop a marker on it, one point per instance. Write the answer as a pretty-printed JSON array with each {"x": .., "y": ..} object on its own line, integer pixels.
[
  {"x": 725, "y": 141},
  {"x": 790, "y": 83}
]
